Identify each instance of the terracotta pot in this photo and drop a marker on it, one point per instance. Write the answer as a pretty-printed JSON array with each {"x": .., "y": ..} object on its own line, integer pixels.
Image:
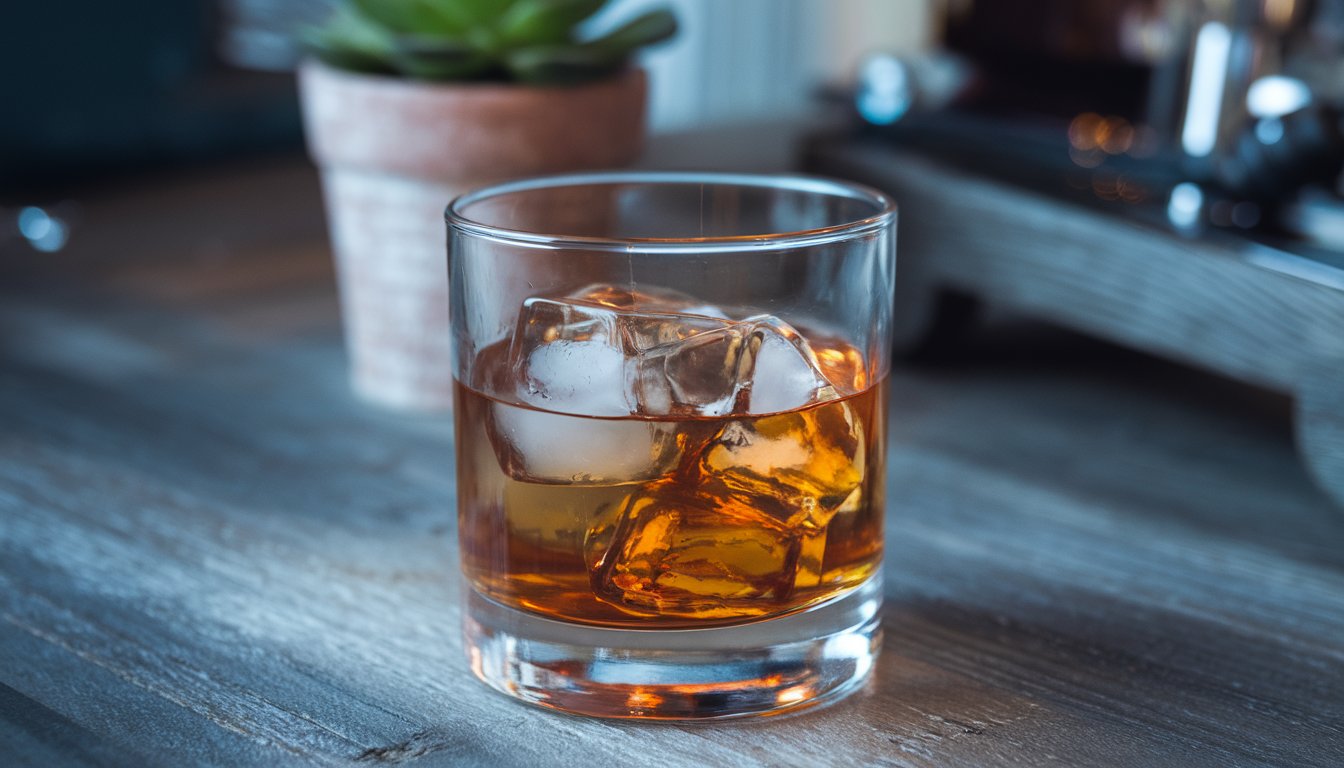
[{"x": 393, "y": 153}]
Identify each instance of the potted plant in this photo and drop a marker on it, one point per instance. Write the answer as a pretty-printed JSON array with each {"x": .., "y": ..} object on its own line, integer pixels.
[{"x": 408, "y": 103}]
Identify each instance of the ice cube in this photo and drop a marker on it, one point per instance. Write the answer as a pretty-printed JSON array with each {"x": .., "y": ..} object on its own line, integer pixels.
[
  {"x": 799, "y": 467},
  {"x": 786, "y": 374},
  {"x": 700, "y": 375},
  {"x": 578, "y": 357},
  {"x": 569, "y": 364},
  {"x": 746, "y": 531},
  {"x": 698, "y": 551},
  {"x": 542, "y": 447},
  {"x": 568, "y": 358},
  {"x": 755, "y": 366}
]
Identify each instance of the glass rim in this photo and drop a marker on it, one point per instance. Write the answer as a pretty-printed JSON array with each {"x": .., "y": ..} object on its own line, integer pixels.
[{"x": 818, "y": 185}]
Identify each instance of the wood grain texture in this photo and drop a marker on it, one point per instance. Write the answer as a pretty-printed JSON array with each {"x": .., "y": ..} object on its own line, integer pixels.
[
  {"x": 211, "y": 553},
  {"x": 1261, "y": 315}
]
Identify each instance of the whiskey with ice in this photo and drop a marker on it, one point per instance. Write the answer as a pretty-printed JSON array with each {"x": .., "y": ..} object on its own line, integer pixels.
[{"x": 638, "y": 458}]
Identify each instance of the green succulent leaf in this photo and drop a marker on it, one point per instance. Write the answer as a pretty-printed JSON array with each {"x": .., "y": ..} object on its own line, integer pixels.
[
  {"x": 471, "y": 14},
  {"x": 486, "y": 11},
  {"x": 531, "y": 41},
  {"x": 544, "y": 22},
  {"x": 561, "y": 64},
  {"x": 646, "y": 29},
  {"x": 350, "y": 41},
  {"x": 437, "y": 58},
  {"x": 416, "y": 17}
]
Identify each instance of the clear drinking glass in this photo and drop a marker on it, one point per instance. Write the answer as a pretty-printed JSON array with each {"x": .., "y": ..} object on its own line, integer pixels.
[{"x": 670, "y": 421}]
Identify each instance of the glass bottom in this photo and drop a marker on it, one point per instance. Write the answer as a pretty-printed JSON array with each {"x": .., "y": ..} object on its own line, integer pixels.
[{"x": 768, "y": 667}]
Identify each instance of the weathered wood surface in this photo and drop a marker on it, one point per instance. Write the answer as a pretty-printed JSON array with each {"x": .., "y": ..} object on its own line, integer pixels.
[
  {"x": 210, "y": 553},
  {"x": 1265, "y": 316}
]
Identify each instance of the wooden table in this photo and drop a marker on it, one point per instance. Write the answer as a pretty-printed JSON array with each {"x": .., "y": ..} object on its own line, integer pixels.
[{"x": 210, "y": 553}]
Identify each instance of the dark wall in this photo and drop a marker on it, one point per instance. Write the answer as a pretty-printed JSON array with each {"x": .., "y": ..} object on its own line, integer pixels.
[{"x": 93, "y": 87}]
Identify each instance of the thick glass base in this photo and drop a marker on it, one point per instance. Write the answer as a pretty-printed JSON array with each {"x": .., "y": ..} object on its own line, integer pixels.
[{"x": 765, "y": 668}]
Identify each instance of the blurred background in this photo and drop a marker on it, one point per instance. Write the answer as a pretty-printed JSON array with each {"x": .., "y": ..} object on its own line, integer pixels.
[
  {"x": 1239, "y": 94},
  {"x": 213, "y": 78},
  {"x": 1033, "y": 146}
]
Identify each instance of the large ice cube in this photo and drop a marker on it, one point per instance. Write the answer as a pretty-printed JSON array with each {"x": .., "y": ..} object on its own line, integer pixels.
[
  {"x": 700, "y": 375},
  {"x": 569, "y": 363},
  {"x": 542, "y": 447},
  {"x": 786, "y": 374},
  {"x": 699, "y": 551},
  {"x": 577, "y": 357},
  {"x": 748, "y": 529},
  {"x": 569, "y": 358},
  {"x": 799, "y": 466}
]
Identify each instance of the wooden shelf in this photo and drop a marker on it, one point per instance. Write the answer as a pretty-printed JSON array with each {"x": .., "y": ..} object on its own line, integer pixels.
[{"x": 1254, "y": 313}]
